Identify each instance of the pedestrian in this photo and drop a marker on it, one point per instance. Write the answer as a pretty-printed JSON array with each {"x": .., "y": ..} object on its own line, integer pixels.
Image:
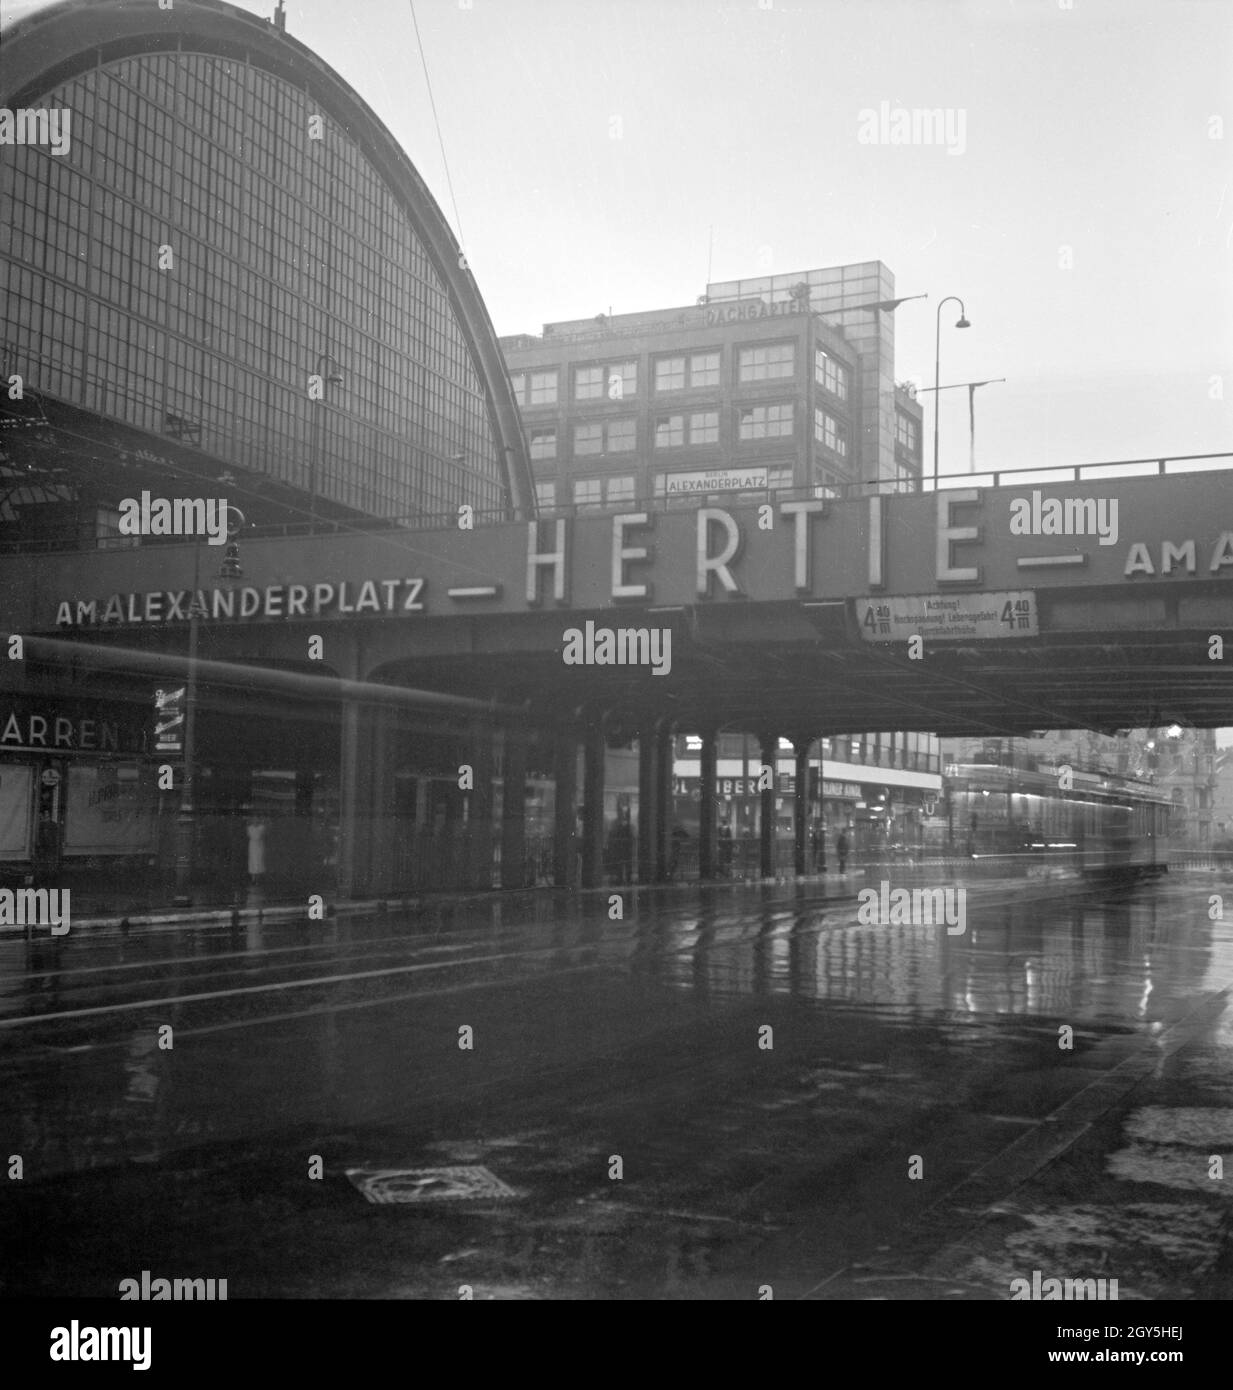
[
  {"x": 256, "y": 852},
  {"x": 621, "y": 849},
  {"x": 817, "y": 839},
  {"x": 679, "y": 837},
  {"x": 724, "y": 857},
  {"x": 841, "y": 847}
]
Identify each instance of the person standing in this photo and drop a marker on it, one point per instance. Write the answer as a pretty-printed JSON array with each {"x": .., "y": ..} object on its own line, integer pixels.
[
  {"x": 724, "y": 855},
  {"x": 256, "y": 852},
  {"x": 841, "y": 848}
]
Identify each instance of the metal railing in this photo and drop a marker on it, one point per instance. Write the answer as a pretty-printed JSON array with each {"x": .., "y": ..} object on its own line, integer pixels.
[{"x": 1129, "y": 469}]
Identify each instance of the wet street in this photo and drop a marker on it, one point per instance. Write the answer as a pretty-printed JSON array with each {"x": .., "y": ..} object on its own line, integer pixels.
[{"x": 727, "y": 1091}]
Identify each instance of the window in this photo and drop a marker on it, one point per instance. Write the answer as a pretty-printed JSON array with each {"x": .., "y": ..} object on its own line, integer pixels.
[
  {"x": 546, "y": 495},
  {"x": 543, "y": 444},
  {"x": 670, "y": 374},
  {"x": 589, "y": 438},
  {"x": 605, "y": 436},
  {"x": 907, "y": 432},
  {"x": 614, "y": 382},
  {"x": 588, "y": 492},
  {"x": 767, "y": 363},
  {"x": 543, "y": 387},
  {"x": 704, "y": 427},
  {"x": 670, "y": 431},
  {"x": 765, "y": 421},
  {"x": 621, "y": 435},
  {"x": 597, "y": 492},
  {"x": 830, "y": 374},
  {"x": 588, "y": 383},
  {"x": 830, "y": 433},
  {"x": 703, "y": 370}
]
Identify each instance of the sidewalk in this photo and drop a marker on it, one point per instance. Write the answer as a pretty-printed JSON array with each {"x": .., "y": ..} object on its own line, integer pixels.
[{"x": 1115, "y": 1184}]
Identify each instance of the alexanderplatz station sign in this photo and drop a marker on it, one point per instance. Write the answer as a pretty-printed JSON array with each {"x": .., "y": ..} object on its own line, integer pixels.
[{"x": 954, "y": 565}]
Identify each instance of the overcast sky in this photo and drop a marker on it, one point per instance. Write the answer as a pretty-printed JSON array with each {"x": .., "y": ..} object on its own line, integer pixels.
[{"x": 1087, "y": 221}]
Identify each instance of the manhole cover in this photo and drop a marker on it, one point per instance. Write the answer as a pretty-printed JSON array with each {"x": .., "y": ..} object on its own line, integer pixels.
[{"x": 390, "y": 1185}]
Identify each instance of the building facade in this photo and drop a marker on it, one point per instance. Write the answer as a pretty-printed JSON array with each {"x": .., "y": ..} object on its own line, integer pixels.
[
  {"x": 222, "y": 278},
  {"x": 782, "y": 383},
  {"x": 773, "y": 384}
]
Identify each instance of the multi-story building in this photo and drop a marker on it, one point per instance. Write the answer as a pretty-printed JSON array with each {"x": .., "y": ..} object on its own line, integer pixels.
[
  {"x": 782, "y": 382},
  {"x": 785, "y": 382},
  {"x": 221, "y": 277}
]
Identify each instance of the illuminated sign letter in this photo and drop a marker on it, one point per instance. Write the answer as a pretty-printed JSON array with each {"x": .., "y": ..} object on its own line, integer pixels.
[
  {"x": 556, "y": 558},
  {"x": 802, "y": 511},
  {"x": 948, "y": 535},
  {"x": 621, "y": 553},
  {"x": 709, "y": 564}
]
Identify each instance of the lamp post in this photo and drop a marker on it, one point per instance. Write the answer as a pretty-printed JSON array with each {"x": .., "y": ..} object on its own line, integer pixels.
[
  {"x": 328, "y": 377},
  {"x": 186, "y": 822},
  {"x": 937, "y": 371}
]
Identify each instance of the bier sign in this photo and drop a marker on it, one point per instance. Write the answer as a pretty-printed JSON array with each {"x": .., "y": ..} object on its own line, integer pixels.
[
  {"x": 949, "y": 617},
  {"x": 169, "y": 720}
]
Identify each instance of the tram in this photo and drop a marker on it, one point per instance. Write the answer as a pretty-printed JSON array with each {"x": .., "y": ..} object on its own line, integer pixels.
[{"x": 1098, "y": 825}]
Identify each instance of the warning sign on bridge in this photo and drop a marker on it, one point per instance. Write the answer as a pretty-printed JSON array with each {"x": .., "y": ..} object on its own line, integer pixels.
[{"x": 949, "y": 617}]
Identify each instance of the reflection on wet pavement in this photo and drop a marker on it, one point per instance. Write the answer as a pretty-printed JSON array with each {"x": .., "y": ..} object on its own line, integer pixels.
[{"x": 725, "y": 1090}]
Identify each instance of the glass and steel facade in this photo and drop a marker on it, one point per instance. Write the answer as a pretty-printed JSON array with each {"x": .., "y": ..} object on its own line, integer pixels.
[{"x": 211, "y": 240}]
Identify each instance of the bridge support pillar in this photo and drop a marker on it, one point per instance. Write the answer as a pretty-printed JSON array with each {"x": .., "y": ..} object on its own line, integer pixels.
[
  {"x": 664, "y": 747},
  {"x": 565, "y": 819},
  {"x": 801, "y": 743},
  {"x": 514, "y": 811},
  {"x": 593, "y": 807},
  {"x": 654, "y": 801},
  {"x": 768, "y": 750},
  {"x": 706, "y": 806},
  {"x": 352, "y": 796},
  {"x": 479, "y": 806}
]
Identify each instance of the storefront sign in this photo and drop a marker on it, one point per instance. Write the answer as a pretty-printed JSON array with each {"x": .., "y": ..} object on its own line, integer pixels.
[
  {"x": 847, "y": 789},
  {"x": 53, "y": 732},
  {"x": 169, "y": 720},
  {"x": 161, "y": 606},
  {"x": 950, "y": 617},
  {"x": 716, "y": 480},
  {"x": 753, "y": 309}
]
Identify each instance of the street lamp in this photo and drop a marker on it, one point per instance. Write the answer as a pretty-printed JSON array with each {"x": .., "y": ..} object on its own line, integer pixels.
[
  {"x": 186, "y": 823},
  {"x": 937, "y": 372},
  {"x": 327, "y": 369}
]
